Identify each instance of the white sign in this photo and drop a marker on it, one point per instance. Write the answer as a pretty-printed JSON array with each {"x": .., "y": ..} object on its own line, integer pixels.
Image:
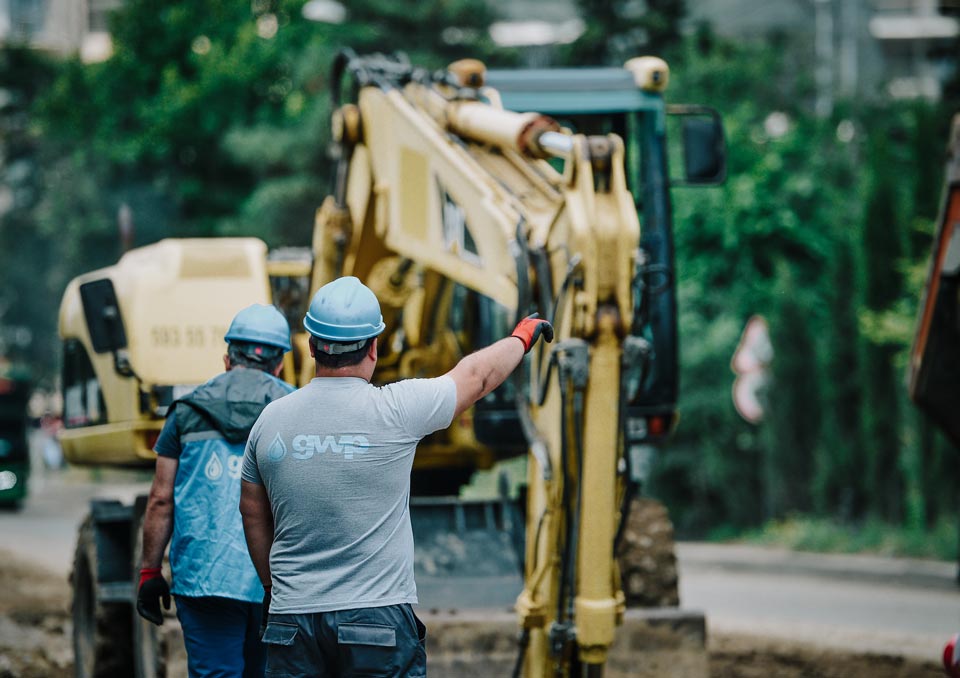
[{"x": 750, "y": 362}]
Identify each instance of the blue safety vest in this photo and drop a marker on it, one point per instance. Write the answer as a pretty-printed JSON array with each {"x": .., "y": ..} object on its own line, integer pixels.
[{"x": 208, "y": 552}]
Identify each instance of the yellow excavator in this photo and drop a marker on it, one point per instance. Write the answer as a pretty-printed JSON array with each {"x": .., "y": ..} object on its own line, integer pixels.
[{"x": 462, "y": 215}]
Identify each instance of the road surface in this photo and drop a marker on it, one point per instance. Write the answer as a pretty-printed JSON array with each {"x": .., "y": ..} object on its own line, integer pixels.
[{"x": 855, "y": 603}]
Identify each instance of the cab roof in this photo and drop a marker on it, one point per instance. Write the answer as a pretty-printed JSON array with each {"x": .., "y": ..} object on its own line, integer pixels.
[{"x": 571, "y": 91}]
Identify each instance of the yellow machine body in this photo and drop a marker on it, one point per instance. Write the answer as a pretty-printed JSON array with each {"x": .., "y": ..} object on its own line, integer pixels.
[{"x": 176, "y": 299}]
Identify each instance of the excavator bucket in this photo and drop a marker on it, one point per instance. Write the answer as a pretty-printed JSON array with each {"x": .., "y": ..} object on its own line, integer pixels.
[{"x": 469, "y": 552}]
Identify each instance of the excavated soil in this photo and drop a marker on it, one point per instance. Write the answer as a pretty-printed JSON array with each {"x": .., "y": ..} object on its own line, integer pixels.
[
  {"x": 751, "y": 657},
  {"x": 35, "y": 640},
  {"x": 34, "y": 622}
]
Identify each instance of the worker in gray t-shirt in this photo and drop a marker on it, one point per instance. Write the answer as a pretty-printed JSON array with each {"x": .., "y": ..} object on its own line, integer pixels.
[{"x": 326, "y": 488}]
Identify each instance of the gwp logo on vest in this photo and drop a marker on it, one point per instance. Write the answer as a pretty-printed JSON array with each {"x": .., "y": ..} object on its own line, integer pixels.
[{"x": 305, "y": 446}]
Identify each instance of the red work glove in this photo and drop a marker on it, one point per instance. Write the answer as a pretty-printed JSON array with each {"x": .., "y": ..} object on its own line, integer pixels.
[
  {"x": 152, "y": 589},
  {"x": 951, "y": 658},
  {"x": 529, "y": 330}
]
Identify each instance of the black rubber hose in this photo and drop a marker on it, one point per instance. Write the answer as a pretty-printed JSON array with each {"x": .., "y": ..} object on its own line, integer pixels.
[
  {"x": 575, "y": 530},
  {"x": 564, "y": 500},
  {"x": 523, "y": 642}
]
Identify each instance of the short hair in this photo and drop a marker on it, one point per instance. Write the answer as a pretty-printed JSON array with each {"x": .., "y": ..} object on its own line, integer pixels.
[
  {"x": 332, "y": 361},
  {"x": 240, "y": 356}
]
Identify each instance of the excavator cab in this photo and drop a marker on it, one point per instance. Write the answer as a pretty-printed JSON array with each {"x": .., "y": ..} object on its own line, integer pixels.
[{"x": 141, "y": 333}]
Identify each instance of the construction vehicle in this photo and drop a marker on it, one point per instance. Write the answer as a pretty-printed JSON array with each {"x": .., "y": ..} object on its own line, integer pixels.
[
  {"x": 15, "y": 389},
  {"x": 934, "y": 369},
  {"x": 462, "y": 216}
]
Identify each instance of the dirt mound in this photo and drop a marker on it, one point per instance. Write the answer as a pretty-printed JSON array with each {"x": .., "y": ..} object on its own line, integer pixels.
[
  {"x": 754, "y": 657},
  {"x": 34, "y": 623}
]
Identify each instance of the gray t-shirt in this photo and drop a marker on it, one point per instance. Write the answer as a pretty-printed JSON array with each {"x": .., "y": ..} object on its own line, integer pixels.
[{"x": 335, "y": 460}]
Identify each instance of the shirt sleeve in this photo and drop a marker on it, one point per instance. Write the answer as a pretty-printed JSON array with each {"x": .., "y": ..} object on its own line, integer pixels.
[
  {"x": 168, "y": 442},
  {"x": 250, "y": 471},
  {"x": 426, "y": 405}
]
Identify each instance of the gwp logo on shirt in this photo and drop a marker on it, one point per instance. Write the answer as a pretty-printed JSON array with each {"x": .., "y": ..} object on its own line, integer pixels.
[
  {"x": 214, "y": 469},
  {"x": 305, "y": 446},
  {"x": 277, "y": 449}
]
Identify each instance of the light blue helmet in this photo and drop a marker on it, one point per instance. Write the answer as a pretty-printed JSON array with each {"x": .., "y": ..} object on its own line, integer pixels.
[
  {"x": 261, "y": 325},
  {"x": 344, "y": 312}
]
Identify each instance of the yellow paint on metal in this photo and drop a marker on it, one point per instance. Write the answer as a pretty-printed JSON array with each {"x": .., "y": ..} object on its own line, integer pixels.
[
  {"x": 417, "y": 200},
  {"x": 596, "y": 604},
  {"x": 650, "y": 74},
  {"x": 176, "y": 299}
]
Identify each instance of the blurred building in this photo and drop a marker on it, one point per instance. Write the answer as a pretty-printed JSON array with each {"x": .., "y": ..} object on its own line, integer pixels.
[
  {"x": 861, "y": 48},
  {"x": 58, "y": 26},
  {"x": 858, "y": 48}
]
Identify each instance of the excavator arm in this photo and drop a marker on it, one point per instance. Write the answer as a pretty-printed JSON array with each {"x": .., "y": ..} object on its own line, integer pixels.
[{"x": 438, "y": 185}]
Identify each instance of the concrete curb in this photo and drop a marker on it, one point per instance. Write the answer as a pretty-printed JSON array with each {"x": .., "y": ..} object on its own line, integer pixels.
[{"x": 932, "y": 574}]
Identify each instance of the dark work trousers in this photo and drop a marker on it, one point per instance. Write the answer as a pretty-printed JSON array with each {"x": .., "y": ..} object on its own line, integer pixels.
[
  {"x": 221, "y": 637},
  {"x": 375, "y": 642}
]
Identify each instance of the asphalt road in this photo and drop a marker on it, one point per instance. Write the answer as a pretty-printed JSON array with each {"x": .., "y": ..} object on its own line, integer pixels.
[{"x": 856, "y": 603}]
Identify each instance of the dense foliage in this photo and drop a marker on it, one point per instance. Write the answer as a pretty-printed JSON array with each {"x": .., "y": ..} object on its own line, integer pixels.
[
  {"x": 823, "y": 228},
  {"x": 211, "y": 119}
]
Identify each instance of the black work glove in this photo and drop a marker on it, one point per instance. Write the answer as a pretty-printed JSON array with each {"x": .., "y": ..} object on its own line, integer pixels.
[
  {"x": 265, "y": 612},
  {"x": 153, "y": 588},
  {"x": 529, "y": 330}
]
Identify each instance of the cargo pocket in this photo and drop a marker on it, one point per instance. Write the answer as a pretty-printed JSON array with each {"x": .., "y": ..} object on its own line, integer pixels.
[
  {"x": 368, "y": 650},
  {"x": 279, "y": 639},
  {"x": 278, "y": 633}
]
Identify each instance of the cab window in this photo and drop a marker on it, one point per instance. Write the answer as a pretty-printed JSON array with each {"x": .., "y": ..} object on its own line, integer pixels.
[{"x": 82, "y": 398}]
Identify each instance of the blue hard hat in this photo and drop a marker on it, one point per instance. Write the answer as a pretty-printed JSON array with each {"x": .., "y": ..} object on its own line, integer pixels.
[
  {"x": 260, "y": 324},
  {"x": 344, "y": 310}
]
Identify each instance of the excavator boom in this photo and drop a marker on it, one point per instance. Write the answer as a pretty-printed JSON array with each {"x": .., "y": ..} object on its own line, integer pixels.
[{"x": 440, "y": 183}]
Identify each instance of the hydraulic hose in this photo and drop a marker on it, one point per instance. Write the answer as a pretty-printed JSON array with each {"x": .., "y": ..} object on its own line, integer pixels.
[
  {"x": 523, "y": 643},
  {"x": 594, "y": 671},
  {"x": 575, "y": 531},
  {"x": 565, "y": 562}
]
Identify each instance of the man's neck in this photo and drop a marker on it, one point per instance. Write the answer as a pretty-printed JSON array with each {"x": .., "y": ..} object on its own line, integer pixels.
[{"x": 352, "y": 371}]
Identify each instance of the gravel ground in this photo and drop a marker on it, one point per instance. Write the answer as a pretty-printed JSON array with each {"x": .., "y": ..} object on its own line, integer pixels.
[{"x": 35, "y": 640}]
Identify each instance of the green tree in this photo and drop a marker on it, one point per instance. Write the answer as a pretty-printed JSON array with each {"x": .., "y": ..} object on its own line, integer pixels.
[
  {"x": 882, "y": 250},
  {"x": 30, "y": 292},
  {"x": 210, "y": 118},
  {"x": 224, "y": 109},
  {"x": 616, "y": 30},
  {"x": 838, "y": 485},
  {"x": 793, "y": 420}
]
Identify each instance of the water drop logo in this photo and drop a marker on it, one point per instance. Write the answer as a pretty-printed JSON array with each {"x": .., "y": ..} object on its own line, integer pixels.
[
  {"x": 277, "y": 449},
  {"x": 213, "y": 469}
]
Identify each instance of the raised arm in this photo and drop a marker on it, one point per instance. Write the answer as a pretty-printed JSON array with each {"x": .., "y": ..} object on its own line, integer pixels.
[{"x": 479, "y": 373}]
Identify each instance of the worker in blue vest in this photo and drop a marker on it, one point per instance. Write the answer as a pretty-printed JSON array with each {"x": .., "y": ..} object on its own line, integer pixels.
[{"x": 193, "y": 504}]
